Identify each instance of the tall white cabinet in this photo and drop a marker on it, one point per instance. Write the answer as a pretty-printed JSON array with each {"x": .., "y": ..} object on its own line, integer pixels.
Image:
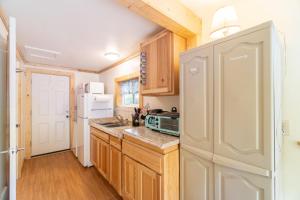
[{"x": 230, "y": 117}]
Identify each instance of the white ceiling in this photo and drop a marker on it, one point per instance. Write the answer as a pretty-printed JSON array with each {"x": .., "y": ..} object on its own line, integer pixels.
[{"x": 80, "y": 30}]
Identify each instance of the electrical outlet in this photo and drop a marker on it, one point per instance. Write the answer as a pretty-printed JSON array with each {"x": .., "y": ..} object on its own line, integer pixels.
[{"x": 285, "y": 127}]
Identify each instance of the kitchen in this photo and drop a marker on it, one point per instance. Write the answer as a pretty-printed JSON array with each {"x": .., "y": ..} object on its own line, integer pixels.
[{"x": 190, "y": 101}]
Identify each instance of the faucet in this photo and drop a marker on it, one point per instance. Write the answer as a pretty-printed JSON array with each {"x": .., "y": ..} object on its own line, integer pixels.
[{"x": 121, "y": 119}]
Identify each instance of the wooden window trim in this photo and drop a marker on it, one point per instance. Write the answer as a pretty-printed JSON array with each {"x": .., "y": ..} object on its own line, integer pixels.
[{"x": 117, "y": 88}]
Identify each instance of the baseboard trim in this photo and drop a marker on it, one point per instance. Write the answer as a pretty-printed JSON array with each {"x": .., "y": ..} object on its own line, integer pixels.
[{"x": 54, "y": 152}]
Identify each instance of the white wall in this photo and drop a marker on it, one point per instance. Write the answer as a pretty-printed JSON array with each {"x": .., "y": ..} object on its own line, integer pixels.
[
  {"x": 286, "y": 16},
  {"x": 128, "y": 67}
]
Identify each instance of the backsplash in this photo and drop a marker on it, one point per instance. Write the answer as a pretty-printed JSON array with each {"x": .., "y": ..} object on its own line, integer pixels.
[{"x": 124, "y": 112}]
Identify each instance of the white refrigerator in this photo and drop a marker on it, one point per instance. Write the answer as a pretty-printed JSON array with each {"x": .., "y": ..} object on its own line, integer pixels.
[{"x": 90, "y": 106}]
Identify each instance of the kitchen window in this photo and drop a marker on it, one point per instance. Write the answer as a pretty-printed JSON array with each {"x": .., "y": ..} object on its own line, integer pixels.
[{"x": 127, "y": 91}]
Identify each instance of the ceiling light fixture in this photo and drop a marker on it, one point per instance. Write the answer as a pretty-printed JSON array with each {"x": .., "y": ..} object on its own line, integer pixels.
[
  {"x": 112, "y": 55},
  {"x": 225, "y": 22}
]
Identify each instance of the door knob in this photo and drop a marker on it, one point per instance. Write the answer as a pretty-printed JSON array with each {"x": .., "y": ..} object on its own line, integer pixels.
[{"x": 13, "y": 150}]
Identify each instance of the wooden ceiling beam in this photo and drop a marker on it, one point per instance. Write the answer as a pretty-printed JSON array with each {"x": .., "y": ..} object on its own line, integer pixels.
[{"x": 170, "y": 14}]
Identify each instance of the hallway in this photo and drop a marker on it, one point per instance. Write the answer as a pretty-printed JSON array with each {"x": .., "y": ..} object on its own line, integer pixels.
[{"x": 60, "y": 176}]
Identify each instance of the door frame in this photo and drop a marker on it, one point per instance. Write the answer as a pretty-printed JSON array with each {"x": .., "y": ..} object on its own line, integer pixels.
[{"x": 28, "y": 107}]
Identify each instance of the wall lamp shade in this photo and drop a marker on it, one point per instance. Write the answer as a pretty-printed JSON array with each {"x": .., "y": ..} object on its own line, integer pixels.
[{"x": 225, "y": 22}]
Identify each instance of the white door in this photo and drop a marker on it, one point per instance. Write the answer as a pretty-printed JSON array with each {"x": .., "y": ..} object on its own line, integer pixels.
[
  {"x": 50, "y": 113},
  {"x": 243, "y": 118},
  {"x": 232, "y": 184},
  {"x": 196, "y": 177},
  {"x": 196, "y": 120},
  {"x": 8, "y": 134}
]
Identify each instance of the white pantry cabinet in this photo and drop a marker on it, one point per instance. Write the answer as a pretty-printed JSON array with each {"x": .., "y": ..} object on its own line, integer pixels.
[
  {"x": 243, "y": 116},
  {"x": 197, "y": 101},
  {"x": 232, "y": 184},
  {"x": 196, "y": 177},
  {"x": 230, "y": 123}
]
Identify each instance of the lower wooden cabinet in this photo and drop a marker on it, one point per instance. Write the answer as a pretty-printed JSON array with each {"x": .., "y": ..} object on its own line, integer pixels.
[
  {"x": 103, "y": 158},
  {"x": 148, "y": 184},
  {"x": 140, "y": 182},
  {"x": 94, "y": 150},
  {"x": 137, "y": 171},
  {"x": 115, "y": 177},
  {"x": 129, "y": 178}
]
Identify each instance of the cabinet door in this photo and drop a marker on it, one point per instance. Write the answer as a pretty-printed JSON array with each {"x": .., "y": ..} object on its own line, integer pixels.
[
  {"x": 103, "y": 158},
  {"x": 151, "y": 67},
  {"x": 196, "y": 97},
  {"x": 196, "y": 177},
  {"x": 164, "y": 62},
  {"x": 243, "y": 105},
  {"x": 129, "y": 190},
  {"x": 94, "y": 150},
  {"x": 232, "y": 184},
  {"x": 148, "y": 183},
  {"x": 115, "y": 168}
]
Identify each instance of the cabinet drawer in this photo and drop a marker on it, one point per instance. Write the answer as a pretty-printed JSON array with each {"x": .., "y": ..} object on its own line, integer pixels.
[
  {"x": 100, "y": 134},
  {"x": 116, "y": 142},
  {"x": 145, "y": 156}
]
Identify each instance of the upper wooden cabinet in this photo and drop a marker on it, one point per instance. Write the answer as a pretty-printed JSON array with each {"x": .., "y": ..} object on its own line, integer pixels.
[{"x": 162, "y": 64}]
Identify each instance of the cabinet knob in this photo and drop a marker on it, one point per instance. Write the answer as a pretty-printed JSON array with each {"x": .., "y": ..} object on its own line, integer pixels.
[{"x": 162, "y": 79}]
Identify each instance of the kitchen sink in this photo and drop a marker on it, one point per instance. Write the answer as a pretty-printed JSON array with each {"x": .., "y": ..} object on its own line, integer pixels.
[{"x": 113, "y": 124}]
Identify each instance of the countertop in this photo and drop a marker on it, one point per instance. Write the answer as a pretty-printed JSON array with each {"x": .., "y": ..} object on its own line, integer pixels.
[
  {"x": 142, "y": 133},
  {"x": 154, "y": 138}
]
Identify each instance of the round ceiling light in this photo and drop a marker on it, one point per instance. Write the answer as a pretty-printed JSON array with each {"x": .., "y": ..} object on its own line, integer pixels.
[{"x": 112, "y": 55}]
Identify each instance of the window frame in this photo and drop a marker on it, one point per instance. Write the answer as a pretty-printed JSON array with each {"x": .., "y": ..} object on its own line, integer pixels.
[{"x": 118, "y": 97}]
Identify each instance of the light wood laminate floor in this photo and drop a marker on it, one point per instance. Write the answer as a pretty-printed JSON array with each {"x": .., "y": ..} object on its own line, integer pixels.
[{"x": 60, "y": 176}]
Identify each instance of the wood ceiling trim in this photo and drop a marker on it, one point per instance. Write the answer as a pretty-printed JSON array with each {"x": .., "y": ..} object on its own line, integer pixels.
[
  {"x": 170, "y": 14},
  {"x": 131, "y": 56}
]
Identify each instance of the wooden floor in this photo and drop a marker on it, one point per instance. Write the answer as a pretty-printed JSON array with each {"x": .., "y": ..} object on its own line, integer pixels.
[{"x": 61, "y": 177}]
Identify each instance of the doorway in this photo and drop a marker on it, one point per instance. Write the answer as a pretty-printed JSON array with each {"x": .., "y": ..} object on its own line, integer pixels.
[{"x": 50, "y": 113}]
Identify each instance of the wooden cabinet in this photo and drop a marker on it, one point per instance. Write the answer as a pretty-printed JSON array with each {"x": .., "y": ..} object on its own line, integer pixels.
[
  {"x": 115, "y": 168},
  {"x": 149, "y": 173},
  {"x": 129, "y": 178},
  {"x": 140, "y": 182},
  {"x": 148, "y": 184},
  {"x": 94, "y": 150},
  {"x": 162, "y": 63},
  {"x": 103, "y": 158},
  {"x": 99, "y": 151},
  {"x": 137, "y": 170}
]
